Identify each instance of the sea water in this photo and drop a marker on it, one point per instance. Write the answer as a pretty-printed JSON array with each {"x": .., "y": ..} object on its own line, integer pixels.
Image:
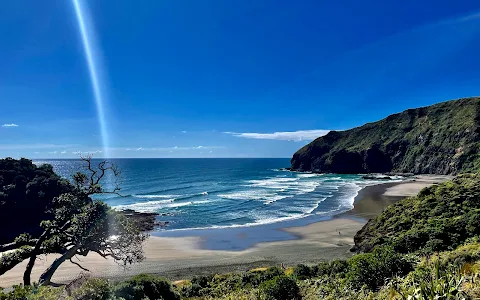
[{"x": 223, "y": 193}]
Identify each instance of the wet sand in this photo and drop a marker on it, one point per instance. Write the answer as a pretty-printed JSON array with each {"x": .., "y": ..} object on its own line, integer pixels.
[{"x": 185, "y": 257}]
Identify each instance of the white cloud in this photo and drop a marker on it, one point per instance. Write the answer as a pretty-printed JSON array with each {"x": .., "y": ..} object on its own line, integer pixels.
[
  {"x": 296, "y": 136},
  {"x": 85, "y": 152},
  {"x": 175, "y": 148},
  {"x": 63, "y": 152},
  {"x": 183, "y": 131},
  {"x": 9, "y": 125},
  {"x": 33, "y": 146}
]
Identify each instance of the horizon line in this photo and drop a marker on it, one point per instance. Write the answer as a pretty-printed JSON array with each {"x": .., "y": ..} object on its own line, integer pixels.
[{"x": 71, "y": 158}]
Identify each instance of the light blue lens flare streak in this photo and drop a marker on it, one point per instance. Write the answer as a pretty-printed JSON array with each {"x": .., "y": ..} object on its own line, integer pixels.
[{"x": 91, "y": 58}]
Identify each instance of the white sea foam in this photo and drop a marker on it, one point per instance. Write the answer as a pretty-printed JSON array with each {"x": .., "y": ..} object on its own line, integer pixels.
[
  {"x": 285, "y": 184},
  {"x": 309, "y": 175},
  {"x": 309, "y": 211},
  {"x": 272, "y": 182},
  {"x": 155, "y": 196},
  {"x": 257, "y": 222},
  {"x": 152, "y": 206},
  {"x": 260, "y": 195},
  {"x": 272, "y": 189}
]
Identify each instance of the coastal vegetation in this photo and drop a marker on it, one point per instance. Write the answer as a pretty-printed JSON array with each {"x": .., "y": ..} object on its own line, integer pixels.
[
  {"x": 70, "y": 222},
  {"x": 440, "y": 139},
  {"x": 27, "y": 191},
  {"x": 440, "y": 217},
  {"x": 421, "y": 247},
  {"x": 381, "y": 274}
]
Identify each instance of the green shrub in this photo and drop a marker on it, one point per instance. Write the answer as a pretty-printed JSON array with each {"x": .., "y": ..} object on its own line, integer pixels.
[
  {"x": 143, "y": 286},
  {"x": 322, "y": 268},
  {"x": 439, "y": 218},
  {"x": 338, "y": 268},
  {"x": 436, "y": 282},
  {"x": 193, "y": 290},
  {"x": 202, "y": 280},
  {"x": 255, "y": 278},
  {"x": 20, "y": 292},
  {"x": 280, "y": 288},
  {"x": 302, "y": 272},
  {"x": 93, "y": 289},
  {"x": 372, "y": 269}
]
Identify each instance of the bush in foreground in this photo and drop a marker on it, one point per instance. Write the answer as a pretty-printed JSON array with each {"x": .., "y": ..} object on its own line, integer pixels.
[
  {"x": 373, "y": 269},
  {"x": 280, "y": 288},
  {"x": 146, "y": 286},
  {"x": 255, "y": 278},
  {"x": 93, "y": 289},
  {"x": 21, "y": 292}
]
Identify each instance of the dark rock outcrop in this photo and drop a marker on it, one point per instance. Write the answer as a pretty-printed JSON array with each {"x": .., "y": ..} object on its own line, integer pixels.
[
  {"x": 440, "y": 139},
  {"x": 144, "y": 221}
]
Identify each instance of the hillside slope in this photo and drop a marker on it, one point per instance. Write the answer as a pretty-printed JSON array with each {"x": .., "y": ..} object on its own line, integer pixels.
[
  {"x": 440, "y": 139},
  {"x": 440, "y": 217}
]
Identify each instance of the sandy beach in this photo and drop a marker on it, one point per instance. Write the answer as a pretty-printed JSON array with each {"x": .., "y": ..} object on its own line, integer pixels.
[{"x": 184, "y": 257}]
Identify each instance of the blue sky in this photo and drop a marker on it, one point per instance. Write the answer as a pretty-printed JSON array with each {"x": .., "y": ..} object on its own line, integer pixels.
[{"x": 246, "y": 78}]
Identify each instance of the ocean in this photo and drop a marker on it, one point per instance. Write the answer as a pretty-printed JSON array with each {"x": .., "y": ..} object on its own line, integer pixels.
[{"x": 224, "y": 193}]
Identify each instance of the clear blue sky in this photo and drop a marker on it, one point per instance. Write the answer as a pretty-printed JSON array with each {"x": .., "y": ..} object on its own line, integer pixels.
[{"x": 246, "y": 78}]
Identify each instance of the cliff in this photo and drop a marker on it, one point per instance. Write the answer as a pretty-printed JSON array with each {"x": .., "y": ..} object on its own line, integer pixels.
[{"x": 440, "y": 139}]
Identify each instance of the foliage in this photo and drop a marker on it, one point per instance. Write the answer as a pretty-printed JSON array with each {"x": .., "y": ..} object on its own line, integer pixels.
[
  {"x": 26, "y": 196},
  {"x": 20, "y": 292},
  {"x": 373, "y": 269},
  {"x": 192, "y": 290},
  {"x": 303, "y": 272},
  {"x": 73, "y": 223},
  {"x": 435, "y": 278},
  {"x": 446, "y": 275},
  {"x": 440, "y": 217},
  {"x": 440, "y": 139},
  {"x": 280, "y": 288},
  {"x": 255, "y": 278},
  {"x": 146, "y": 287},
  {"x": 338, "y": 268},
  {"x": 93, "y": 289}
]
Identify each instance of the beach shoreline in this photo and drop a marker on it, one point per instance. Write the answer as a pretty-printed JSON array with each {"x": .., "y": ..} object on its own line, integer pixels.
[{"x": 185, "y": 257}]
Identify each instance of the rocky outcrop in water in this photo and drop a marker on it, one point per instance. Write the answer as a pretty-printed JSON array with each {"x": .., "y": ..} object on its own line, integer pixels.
[
  {"x": 440, "y": 139},
  {"x": 144, "y": 221}
]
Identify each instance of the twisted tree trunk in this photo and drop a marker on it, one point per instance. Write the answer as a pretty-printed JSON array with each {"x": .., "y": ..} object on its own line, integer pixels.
[
  {"x": 33, "y": 257},
  {"x": 46, "y": 277}
]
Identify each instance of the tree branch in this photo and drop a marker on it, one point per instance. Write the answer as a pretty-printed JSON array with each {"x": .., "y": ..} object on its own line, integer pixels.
[
  {"x": 75, "y": 263},
  {"x": 88, "y": 160},
  {"x": 16, "y": 245},
  {"x": 106, "y": 255}
]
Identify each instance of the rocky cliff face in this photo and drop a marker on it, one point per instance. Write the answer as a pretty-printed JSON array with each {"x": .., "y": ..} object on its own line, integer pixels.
[{"x": 440, "y": 139}]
